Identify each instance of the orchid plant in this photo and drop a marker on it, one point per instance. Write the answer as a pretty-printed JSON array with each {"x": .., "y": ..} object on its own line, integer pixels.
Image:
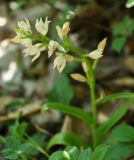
[{"x": 62, "y": 52}]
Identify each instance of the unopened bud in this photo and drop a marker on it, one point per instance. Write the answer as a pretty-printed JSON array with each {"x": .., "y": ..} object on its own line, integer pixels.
[{"x": 78, "y": 77}]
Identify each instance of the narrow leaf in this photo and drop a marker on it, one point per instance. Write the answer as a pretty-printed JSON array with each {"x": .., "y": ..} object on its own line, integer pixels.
[
  {"x": 79, "y": 113},
  {"x": 65, "y": 139},
  {"x": 122, "y": 95},
  {"x": 106, "y": 126}
]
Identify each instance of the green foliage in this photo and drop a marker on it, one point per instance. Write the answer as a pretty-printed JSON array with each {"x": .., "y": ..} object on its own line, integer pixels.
[
  {"x": 122, "y": 133},
  {"x": 18, "y": 129},
  {"x": 66, "y": 139},
  {"x": 115, "y": 96},
  {"x": 119, "y": 151},
  {"x": 121, "y": 31},
  {"x": 15, "y": 149},
  {"x": 72, "y": 153},
  {"x": 79, "y": 113},
  {"x": 86, "y": 154},
  {"x": 19, "y": 146},
  {"x": 118, "y": 43},
  {"x": 62, "y": 90},
  {"x": 106, "y": 126},
  {"x": 71, "y": 67}
]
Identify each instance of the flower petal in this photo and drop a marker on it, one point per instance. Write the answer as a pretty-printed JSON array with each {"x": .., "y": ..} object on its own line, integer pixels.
[
  {"x": 102, "y": 44},
  {"x": 96, "y": 54}
]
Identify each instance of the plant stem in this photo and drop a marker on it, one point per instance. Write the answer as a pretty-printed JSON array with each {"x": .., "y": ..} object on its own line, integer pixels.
[{"x": 91, "y": 82}]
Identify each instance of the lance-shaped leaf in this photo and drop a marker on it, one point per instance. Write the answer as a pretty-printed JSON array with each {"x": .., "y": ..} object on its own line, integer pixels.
[
  {"x": 106, "y": 126},
  {"x": 112, "y": 97},
  {"x": 79, "y": 113},
  {"x": 67, "y": 139}
]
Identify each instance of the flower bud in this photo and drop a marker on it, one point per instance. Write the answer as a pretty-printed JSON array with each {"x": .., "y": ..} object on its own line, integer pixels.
[
  {"x": 78, "y": 77},
  {"x": 65, "y": 29}
]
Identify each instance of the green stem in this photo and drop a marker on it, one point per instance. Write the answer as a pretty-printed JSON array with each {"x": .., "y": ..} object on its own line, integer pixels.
[
  {"x": 91, "y": 83},
  {"x": 69, "y": 46}
]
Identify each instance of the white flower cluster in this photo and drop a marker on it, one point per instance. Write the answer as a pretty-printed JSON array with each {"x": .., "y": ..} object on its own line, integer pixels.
[
  {"x": 25, "y": 37},
  {"x": 24, "y": 34}
]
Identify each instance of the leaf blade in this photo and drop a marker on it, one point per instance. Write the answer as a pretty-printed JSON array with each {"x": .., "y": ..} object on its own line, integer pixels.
[
  {"x": 115, "y": 96},
  {"x": 79, "y": 113},
  {"x": 65, "y": 139},
  {"x": 106, "y": 126}
]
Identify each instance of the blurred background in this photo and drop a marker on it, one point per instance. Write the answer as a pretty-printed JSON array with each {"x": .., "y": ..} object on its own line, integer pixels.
[{"x": 26, "y": 86}]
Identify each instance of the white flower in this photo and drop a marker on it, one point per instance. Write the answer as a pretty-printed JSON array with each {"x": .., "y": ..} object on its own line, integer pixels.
[
  {"x": 64, "y": 30},
  {"x": 53, "y": 45},
  {"x": 42, "y": 27},
  {"x": 35, "y": 50},
  {"x": 20, "y": 38},
  {"x": 98, "y": 52},
  {"x": 17, "y": 38},
  {"x": 60, "y": 62},
  {"x": 27, "y": 42},
  {"x": 25, "y": 26}
]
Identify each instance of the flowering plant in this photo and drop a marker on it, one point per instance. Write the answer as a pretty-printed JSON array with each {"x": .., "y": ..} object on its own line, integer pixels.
[{"x": 101, "y": 148}]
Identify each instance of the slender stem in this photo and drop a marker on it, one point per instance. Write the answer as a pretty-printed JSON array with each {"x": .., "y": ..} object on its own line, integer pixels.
[
  {"x": 95, "y": 64},
  {"x": 91, "y": 83}
]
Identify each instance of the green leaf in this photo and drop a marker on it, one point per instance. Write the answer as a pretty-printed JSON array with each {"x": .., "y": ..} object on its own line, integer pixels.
[
  {"x": 118, "y": 43},
  {"x": 18, "y": 129},
  {"x": 122, "y": 95},
  {"x": 86, "y": 155},
  {"x": 129, "y": 3},
  {"x": 71, "y": 67},
  {"x": 119, "y": 151},
  {"x": 15, "y": 148},
  {"x": 59, "y": 155},
  {"x": 62, "y": 90},
  {"x": 118, "y": 29},
  {"x": 73, "y": 151},
  {"x": 13, "y": 143},
  {"x": 122, "y": 133},
  {"x": 106, "y": 126},
  {"x": 100, "y": 152},
  {"x": 67, "y": 139},
  {"x": 79, "y": 113},
  {"x": 9, "y": 154}
]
